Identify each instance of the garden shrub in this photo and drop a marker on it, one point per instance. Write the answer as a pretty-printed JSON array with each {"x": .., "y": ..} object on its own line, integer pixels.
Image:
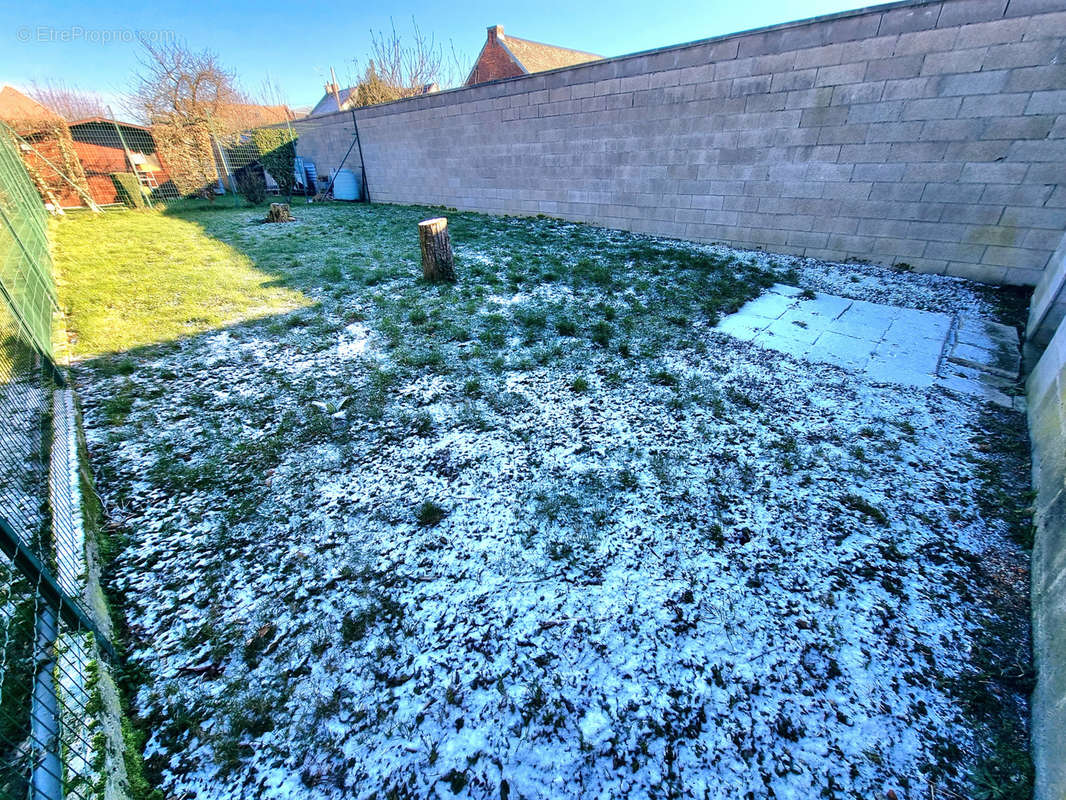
[
  {"x": 251, "y": 185},
  {"x": 128, "y": 189},
  {"x": 277, "y": 154}
]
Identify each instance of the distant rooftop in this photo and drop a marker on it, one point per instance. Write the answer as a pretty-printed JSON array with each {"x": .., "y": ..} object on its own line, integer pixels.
[
  {"x": 504, "y": 56},
  {"x": 538, "y": 57},
  {"x": 14, "y": 105}
]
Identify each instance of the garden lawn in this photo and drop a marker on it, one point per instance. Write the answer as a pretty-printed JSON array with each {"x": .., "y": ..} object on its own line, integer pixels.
[
  {"x": 134, "y": 279},
  {"x": 545, "y": 533}
]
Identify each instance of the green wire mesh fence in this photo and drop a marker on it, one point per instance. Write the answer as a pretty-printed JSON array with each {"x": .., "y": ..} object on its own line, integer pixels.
[
  {"x": 55, "y": 706},
  {"x": 101, "y": 163},
  {"x": 25, "y": 263}
]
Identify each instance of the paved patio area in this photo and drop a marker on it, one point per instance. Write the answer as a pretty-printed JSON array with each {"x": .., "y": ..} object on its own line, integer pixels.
[{"x": 888, "y": 343}]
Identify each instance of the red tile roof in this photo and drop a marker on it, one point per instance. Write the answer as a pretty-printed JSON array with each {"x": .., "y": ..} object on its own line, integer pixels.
[
  {"x": 508, "y": 57},
  {"x": 538, "y": 57},
  {"x": 107, "y": 121}
]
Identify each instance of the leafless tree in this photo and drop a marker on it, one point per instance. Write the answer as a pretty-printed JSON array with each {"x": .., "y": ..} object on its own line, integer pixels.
[
  {"x": 188, "y": 98},
  {"x": 68, "y": 102},
  {"x": 401, "y": 67},
  {"x": 179, "y": 85}
]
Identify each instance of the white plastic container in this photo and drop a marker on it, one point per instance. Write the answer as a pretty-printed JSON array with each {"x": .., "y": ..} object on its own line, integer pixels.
[{"x": 345, "y": 187}]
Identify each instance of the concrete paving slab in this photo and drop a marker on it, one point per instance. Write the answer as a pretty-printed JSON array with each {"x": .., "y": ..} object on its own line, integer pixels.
[
  {"x": 922, "y": 361},
  {"x": 873, "y": 311},
  {"x": 985, "y": 333},
  {"x": 918, "y": 317},
  {"x": 802, "y": 319},
  {"x": 926, "y": 349},
  {"x": 827, "y": 305},
  {"x": 977, "y": 389},
  {"x": 1003, "y": 360},
  {"x": 739, "y": 327},
  {"x": 897, "y": 370},
  {"x": 909, "y": 327},
  {"x": 788, "y": 329},
  {"x": 888, "y": 344},
  {"x": 769, "y": 306},
  {"x": 949, "y": 368},
  {"x": 790, "y": 347},
  {"x": 843, "y": 351},
  {"x": 858, "y": 326}
]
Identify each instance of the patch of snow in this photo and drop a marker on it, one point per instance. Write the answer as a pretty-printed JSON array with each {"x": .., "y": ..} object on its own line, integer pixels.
[{"x": 353, "y": 341}]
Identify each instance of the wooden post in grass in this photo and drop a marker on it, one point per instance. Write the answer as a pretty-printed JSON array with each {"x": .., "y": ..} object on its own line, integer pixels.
[
  {"x": 279, "y": 212},
  {"x": 438, "y": 263}
]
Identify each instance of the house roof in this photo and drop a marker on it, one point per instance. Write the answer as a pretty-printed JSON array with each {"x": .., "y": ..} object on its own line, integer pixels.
[
  {"x": 14, "y": 105},
  {"x": 252, "y": 115},
  {"x": 328, "y": 103},
  {"x": 538, "y": 57},
  {"x": 106, "y": 121},
  {"x": 529, "y": 56}
]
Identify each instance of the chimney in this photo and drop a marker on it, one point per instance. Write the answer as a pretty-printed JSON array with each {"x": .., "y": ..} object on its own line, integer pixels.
[{"x": 496, "y": 32}]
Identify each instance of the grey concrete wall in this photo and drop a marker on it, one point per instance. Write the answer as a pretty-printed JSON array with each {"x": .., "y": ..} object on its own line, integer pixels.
[
  {"x": 1048, "y": 306},
  {"x": 1046, "y": 388},
  {"x": 327, "y": 141},
  {"x": 930, "y": 134}
]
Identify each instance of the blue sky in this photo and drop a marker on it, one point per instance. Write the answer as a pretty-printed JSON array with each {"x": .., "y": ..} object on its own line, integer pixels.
[{"x": 295, "y": 43}]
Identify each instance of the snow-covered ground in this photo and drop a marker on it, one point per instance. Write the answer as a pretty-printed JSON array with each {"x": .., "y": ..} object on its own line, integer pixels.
[{"x": 370, "y": 559}]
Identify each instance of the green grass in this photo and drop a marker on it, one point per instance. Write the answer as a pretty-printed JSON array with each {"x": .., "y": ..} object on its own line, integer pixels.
[
  {"x": 606, "y": 309},
  {"x": 860, "y": 504},
  {"x": 430, "y": 514},
  {"x": 130, "y": 279},
  {"x": 135, "y": 279}
]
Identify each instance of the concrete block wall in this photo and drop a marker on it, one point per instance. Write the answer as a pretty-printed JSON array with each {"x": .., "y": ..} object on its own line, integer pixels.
[
  {"x": 931, "y": 134},
  {"x": 1048, "y": 306},
  {"x": 1046, "y": 389},
  {"x": 327, "y": 142}
]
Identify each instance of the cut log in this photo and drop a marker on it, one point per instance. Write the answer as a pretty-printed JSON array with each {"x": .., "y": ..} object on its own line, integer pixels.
[
  {"x": 279, "y": 212},
  {"x": 438, "y": 263}
]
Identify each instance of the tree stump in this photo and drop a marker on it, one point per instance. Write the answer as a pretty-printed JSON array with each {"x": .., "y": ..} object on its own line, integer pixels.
[
  {"x": 438, "y": 263},
  {"x": 279, "y": 212}
]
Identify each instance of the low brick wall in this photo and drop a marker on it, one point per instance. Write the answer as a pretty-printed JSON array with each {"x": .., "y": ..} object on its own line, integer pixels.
[
  {"x": 930, "y": 134},
  {"x": 1046, "y": 388}
]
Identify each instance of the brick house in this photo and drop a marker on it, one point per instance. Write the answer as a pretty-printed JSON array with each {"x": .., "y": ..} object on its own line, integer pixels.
[
  {"x": 335, "y": 99},
  {"x": 508, "y": 57}
]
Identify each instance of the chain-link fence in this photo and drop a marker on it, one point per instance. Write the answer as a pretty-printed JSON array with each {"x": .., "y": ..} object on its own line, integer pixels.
[
  {"x": 58, "y": 708},
  {"x": 102, "y": 162}
]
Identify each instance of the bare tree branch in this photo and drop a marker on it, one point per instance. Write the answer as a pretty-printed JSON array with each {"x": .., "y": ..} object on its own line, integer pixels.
[
  {"x": 400, "y": 67},
  {"x": 68, "y": 102},
  {"x": 178, "y": 85},
  {"x": 187, "y": 97}
]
